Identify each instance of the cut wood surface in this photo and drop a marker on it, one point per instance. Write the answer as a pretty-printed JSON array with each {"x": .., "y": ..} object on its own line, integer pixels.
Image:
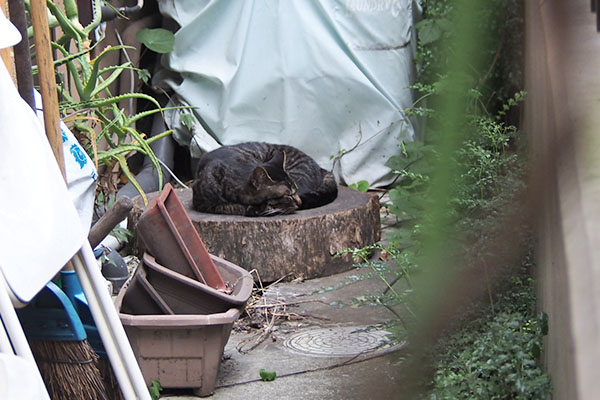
[{"x": 300, "y": 245}]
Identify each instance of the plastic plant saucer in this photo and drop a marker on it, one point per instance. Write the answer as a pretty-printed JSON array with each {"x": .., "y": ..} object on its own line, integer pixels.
[
  {"x": 170, "y": 236},
  {"x": 186, "y": 295}
]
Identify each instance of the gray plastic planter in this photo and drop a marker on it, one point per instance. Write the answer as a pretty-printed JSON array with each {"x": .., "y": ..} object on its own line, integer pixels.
[{"x": 177, "y": 326}]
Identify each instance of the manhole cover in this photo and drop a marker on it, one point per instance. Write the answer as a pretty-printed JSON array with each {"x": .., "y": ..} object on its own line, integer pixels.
[{"x": 338, "y": 341}]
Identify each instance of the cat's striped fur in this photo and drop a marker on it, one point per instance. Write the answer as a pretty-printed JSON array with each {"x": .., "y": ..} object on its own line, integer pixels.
[{"x": 260, "y": 179}]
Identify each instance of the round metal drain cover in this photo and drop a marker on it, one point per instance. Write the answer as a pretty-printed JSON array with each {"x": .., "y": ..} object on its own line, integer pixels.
[{"x": 338, "y": 341}]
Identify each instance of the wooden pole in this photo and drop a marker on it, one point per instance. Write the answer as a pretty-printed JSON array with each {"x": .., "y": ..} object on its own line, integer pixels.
[
  {"x": 21, "y": 51},
  {"x": 45, "y": 62},
  {"x": 47, "y": 79}
]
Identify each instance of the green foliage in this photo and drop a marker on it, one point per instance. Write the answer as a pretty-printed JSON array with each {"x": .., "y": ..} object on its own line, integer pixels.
[
  {"x": 496, "y": 356},
  {"x": 512, "y": 102},
  {"x": 121, "y": 234},
  {"x": 144, "y": 75},
  {"x": 409, "y": 195},
  {"x": 453, "y": 194},
  {"x": 499, "y": 29},
  {"x": 487, "y": 167},
  {"x": 267, "y": 375},
  {"x": 398, "y": 275},
  {"x": 188, "y": 121},
  {"x": 89, "y": 108},
  {"x": 155, "y": 388},
  {"x": 361, "y": 186},
  {"x": 488, "y": 182},
  {"x": 431, "y": 30},
  {"x": 158, "y": 40}
]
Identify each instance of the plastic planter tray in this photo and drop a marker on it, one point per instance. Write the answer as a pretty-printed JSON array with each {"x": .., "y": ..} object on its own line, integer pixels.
[
  {"x": 167, "y": 292},
  {"x": 169, "y": 235},
  {"x": 175, "y": 333},
  {"x": 180, "y": 351},
  {"x": 138, "y": 297}
]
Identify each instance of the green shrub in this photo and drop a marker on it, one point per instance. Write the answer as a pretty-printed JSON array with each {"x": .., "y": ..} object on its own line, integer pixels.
[
  {"x": 495, "y": 356},
  {"x": 456, "y": 198},
  {"x": 105, "y": 130}
]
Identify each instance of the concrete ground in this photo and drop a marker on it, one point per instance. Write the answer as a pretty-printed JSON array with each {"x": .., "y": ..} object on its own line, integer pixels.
[{"x": 364, "y": 364}]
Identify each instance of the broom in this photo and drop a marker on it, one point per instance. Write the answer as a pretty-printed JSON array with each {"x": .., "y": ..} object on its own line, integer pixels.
[
  {"x": 72, "y": 288},
  {"x": 57, "y": 338},
  {"x": 68, "y": 367}
]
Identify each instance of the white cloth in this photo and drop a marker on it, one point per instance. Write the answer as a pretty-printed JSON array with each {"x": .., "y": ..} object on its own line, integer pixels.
[
  {"x": 326, "y": 76},
  {"x": 40, "y": 229},
  {"x": 9, "y": 34},
  {"x": 79, "y": 168},
  {"x": 18, "y": 379}
]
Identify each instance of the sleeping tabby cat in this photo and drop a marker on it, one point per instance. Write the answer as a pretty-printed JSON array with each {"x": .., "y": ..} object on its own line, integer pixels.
[{"x": 260, "y": 179}]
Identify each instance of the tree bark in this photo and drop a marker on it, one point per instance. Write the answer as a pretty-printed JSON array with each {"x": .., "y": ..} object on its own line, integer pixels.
[{"x": 300, "y": 245}]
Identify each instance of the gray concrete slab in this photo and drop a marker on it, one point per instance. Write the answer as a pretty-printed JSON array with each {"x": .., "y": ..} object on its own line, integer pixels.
[{"x": 314, "y": 312}]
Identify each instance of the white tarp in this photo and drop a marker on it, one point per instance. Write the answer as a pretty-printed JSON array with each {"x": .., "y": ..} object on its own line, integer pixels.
[{"x": 325, "y": 76}]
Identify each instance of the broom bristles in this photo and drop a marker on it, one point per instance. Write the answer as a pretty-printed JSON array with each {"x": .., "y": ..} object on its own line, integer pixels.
[
  {"x": 110, "y": 380},
  {"x": 69, "y": 370}
]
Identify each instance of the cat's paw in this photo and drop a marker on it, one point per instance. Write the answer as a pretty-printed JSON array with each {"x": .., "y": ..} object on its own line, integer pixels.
[{"x": 271, "y": 212}]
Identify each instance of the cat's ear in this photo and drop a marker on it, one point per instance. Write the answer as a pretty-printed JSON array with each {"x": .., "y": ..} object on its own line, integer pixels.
[
  {"x": 278, "y": 160},
  {"x": 260, "y": 177}
]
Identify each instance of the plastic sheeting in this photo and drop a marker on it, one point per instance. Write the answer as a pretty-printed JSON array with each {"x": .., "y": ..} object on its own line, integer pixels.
[{"x": 326, "y": 76}]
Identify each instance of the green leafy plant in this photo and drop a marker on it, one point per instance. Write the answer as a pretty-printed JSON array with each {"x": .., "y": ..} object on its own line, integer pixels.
[
  {"x": 412, "y": 167},
  {"x": 361, "y": 186},
  {"x": 397, "y": 276},
  {"x": 89, "y": 108},
  {"x": 155, "y": 388},
  {"x": 267, "y": 375},
  {"x": 496, "y": 355},
  {"x": 453, "y": 195},
  {"x": 158, "y": 40}
]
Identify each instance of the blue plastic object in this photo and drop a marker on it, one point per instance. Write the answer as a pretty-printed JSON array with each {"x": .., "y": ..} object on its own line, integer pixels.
[
  {"x": 51, "y": 316},
  {"x": 98, "y": 251},
  {"x": 72, "y": 289}
]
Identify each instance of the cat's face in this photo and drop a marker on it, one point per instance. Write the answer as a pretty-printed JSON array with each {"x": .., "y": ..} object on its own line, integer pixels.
[
  {"x": 286, "y": 204},
  {"x": 275, "y": 193},
  {"x": 273, "y": 186}
]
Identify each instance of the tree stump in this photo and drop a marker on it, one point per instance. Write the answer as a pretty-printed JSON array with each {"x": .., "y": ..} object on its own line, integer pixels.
[{"x": 299, "y": 245}]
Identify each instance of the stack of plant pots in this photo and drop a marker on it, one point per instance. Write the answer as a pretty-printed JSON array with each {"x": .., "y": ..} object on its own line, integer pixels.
[{"x": 180, "y": 305}]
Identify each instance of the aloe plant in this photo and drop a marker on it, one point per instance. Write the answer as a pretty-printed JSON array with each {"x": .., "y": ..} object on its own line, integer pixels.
[{"x": 88, "y": 106}]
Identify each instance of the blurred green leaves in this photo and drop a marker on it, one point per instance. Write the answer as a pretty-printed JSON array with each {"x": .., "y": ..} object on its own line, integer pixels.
[{"x": 431, "y": 30}]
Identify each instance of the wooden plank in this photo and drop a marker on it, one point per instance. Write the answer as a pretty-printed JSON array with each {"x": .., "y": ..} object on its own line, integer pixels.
[{"x": 562, "y": 54}]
